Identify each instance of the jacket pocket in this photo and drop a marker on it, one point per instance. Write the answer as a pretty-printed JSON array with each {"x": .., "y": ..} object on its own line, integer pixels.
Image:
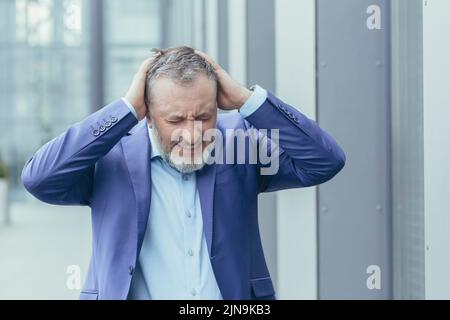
[
  {"x": 262, "y": 287},
  {"x": 89, "y": 295}
]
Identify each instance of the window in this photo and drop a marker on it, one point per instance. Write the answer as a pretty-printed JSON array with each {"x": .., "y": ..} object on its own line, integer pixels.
[
  {"x": 45, "y": 81},
  {"x": 48, "y": 75},
  {"x": 131, "y": 31}
]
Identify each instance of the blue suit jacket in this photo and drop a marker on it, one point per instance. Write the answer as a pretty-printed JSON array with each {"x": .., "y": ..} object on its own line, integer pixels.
[{"x": 104, "y": 162}]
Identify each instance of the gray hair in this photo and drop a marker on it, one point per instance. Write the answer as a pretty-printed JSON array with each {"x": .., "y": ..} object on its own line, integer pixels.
[{"x": 180, "y": 64}]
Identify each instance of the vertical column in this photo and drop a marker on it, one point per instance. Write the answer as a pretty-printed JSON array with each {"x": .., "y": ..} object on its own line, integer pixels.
[
  {"x": 407, "y": 148},
  {"x": 296, "y": 209},
  {"x": 96, "y": 47},
  {"x": 260, "y": 69},
  {"x": 198, "y": 30},
  {"x": 353, "y": 88},
  {"x": 211, "y": 29},
  {"x": 237, "y": 40},
  {"x": 223, "y": 33},
  {"x": 436, "y": 77},
  {"x": 165, "y": 9}
]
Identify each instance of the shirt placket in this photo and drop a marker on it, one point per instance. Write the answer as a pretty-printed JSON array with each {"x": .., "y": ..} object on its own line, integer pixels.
[{"x": 190, "y": 250}]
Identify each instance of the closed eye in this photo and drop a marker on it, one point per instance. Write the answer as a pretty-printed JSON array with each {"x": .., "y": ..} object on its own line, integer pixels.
[
  {"x": 203, "y": 118},
  {"x": 175, "y": 120}
]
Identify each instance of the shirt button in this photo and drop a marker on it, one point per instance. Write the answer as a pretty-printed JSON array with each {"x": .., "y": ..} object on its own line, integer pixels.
[
  {"x": 188, "y": 214},
  {"x": 194, "y": 292},
  {"x": 190, "y": 253},
  {"x": 185, "y": 177}
]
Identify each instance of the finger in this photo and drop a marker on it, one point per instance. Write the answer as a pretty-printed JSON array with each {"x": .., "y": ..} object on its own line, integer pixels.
[
  {"x": 145, "y": 66},
  {"x": 210, "y": 60}
]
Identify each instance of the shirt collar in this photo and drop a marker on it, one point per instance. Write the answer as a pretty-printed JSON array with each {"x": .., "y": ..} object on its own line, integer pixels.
[{"x": 156, "y": 152}]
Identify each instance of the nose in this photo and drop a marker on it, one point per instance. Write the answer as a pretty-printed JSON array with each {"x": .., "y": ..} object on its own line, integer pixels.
[{"x": 192, "y": 134}]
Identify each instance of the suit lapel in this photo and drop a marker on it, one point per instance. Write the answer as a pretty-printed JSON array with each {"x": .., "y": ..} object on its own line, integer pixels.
[
  {"x": 205, "y": 183},
  {"x": 137, "y": 151}
]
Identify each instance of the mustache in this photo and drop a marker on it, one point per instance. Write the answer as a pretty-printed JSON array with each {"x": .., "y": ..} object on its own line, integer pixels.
[
  {"x": 179, "y": 139},
  {"x": 185, "y": 144}
]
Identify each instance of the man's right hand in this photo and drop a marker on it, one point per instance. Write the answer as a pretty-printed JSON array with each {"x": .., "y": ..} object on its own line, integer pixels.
[{"x": 135, "y": 94}]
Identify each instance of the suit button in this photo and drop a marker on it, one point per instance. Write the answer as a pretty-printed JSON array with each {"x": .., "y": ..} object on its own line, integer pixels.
[
  {"x": 102, "y": 128},
  {"x": 114, "y": 119},
  {"x": 108, "y": 124},
  {"x": 96, "y": 133},
  {"x": 130, "y": 270}
]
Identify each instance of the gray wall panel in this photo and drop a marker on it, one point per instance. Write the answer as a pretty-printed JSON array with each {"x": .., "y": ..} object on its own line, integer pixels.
[
  {"x": 353, "y": 105},
  {"x": 261, "y": 70},
  {"x": 408, "y": 150},
  {"x": 223, "y": 33}
]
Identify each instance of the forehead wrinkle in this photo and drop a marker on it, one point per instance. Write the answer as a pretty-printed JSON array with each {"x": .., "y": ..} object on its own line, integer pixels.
[{"x": 184, "y": 99}]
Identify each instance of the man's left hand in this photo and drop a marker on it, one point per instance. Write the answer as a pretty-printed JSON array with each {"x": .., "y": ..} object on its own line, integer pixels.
[{"x": 231, "y": 94}]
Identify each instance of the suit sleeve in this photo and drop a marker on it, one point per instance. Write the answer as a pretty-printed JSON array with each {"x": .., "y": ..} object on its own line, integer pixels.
[
  {"x": 307, "y": 155},
  {"x": 61, "y": 172}
]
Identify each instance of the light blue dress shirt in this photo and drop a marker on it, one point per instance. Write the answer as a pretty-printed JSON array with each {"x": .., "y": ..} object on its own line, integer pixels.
[{"x": 174, "y": 263}]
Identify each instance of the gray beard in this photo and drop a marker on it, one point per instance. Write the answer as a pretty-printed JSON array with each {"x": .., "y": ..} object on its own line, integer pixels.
[{"x": 185, "y": 168}]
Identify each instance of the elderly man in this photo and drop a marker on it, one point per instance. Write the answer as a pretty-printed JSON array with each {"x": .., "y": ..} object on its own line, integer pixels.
[{"x": 173, "y": 197}]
